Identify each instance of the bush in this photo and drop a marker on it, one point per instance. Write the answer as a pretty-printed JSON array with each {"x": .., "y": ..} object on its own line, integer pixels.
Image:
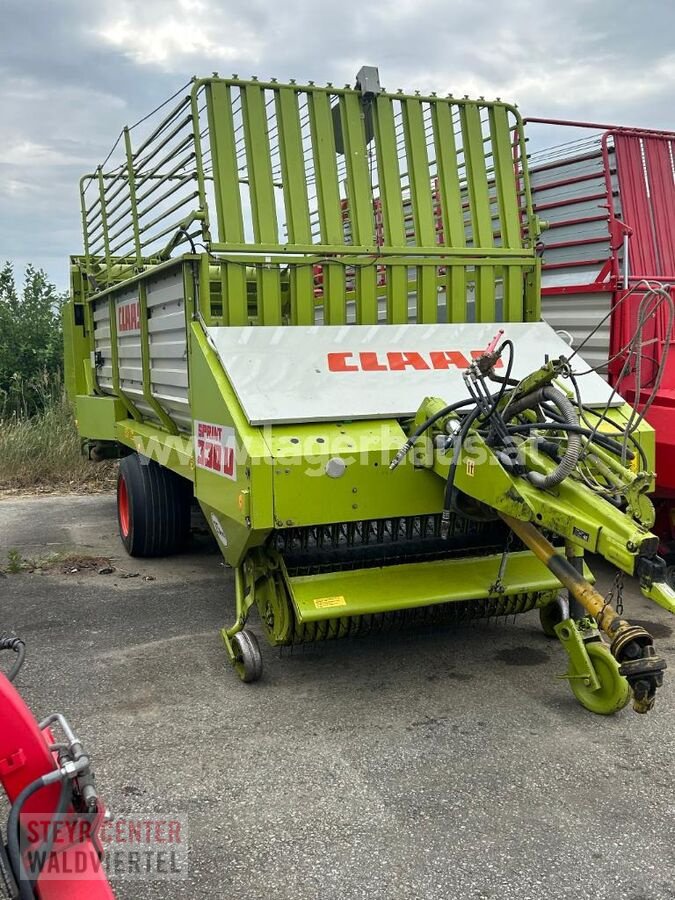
[
  {"x": 39, "y": 443},
  {"x": 31, "y": 344}
]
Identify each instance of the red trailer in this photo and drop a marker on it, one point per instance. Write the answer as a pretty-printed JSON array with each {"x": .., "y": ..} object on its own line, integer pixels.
[{"x": 608, "y": 199}]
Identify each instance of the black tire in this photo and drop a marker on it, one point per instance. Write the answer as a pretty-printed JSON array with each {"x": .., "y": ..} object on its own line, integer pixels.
[
  {"x": 551, "y": 615},
  {"x": 247, "y": 656},
  {"x": 153, "y": 507}
]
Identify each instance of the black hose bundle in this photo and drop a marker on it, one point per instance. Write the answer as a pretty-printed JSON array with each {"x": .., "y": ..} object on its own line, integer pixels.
[{"x": 569, "y": 417}]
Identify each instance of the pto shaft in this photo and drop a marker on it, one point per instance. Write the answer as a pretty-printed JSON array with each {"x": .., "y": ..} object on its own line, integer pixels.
[{"x": 631, "y": 646}]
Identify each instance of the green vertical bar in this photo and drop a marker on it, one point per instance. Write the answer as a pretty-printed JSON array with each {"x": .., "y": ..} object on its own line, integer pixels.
[
  {"x": 418, "y": 172},
  {"x": 295, "y": 201},
  {"x": 85, "y": 228},
  {"x": 236, "y": 297},
  {"x": 199, "y": 164},
  {"x": 427, "y": 294},
  {"x": 391, "y": 199},
  {"x": 479, "y": 205},
  {"x": 476, "y": 175},
  {"x": 223, "y": 294},
  {"x": 334, "y": 289},
  {"x": 224, "y": 163},
  {"x": 328, "y": 201},
  {"x": 359, "y": 190},
  {"x": 387, "y": 172},
  {"x": 360, "y": 199},
  {"x": 268, "y": 288},
  {"x": 397, "y": 294},
  {"x": 104, "y": 219},
  {"x": 132, "y": 196},
  {"x": 513, "y": 294},
  {"x": 448, "y": 176},
  {"x": 205, "y": 290},
  {"x": 263, "y": 201},
  {"x": 292, "y": 167},
  {"x": 485, "y": 294},
  {"x": 325, "y": 168},
  {"x": 422, "y": 205},
  {"x": 532, "y": 310},
  {"x": 261, "y": 185},
  {"x": 456, "y": 293},
  {"x": 505, "y": 177}
]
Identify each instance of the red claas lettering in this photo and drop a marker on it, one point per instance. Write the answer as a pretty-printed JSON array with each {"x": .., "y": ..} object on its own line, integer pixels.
[{"x": 400, "y": 360}]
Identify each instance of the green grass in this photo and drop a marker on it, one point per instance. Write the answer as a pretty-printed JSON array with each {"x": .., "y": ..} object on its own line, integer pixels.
[{"x": 42, "y": 452}]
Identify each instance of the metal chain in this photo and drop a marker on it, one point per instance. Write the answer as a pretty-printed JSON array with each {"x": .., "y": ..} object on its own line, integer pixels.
[{"x": 616, "y": 590}]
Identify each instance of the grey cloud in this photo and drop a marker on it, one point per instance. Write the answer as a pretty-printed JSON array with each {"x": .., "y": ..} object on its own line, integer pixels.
[{"x": 66, "y": 89}]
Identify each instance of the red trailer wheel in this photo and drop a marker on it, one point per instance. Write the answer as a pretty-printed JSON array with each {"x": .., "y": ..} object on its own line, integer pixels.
[{"x": 123, "y": 507}]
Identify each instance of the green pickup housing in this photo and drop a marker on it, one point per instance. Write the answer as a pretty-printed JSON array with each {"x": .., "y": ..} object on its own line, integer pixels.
[{"x": 254, "y": 204}]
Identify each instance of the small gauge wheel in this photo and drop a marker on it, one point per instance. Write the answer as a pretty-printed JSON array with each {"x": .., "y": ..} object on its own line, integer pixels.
[
  {"x": 247, "y": 660},
  {"x": 614, "y": 691}
]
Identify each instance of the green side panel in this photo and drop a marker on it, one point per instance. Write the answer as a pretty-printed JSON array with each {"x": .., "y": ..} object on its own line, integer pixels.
[
  {"x": 97, "y": 416},
  {"x": 174, "y": 451},
  {"x": 76, "y": 343},
  {"x": 362, "y": 591},
  {"x": 68, "y": 325},
  {"x": 249, "y": 493},
  {"x": 305, "y": 495}
]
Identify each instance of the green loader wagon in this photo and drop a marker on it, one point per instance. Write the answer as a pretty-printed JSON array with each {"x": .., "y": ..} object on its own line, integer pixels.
[{"x": 315, "y": 311}]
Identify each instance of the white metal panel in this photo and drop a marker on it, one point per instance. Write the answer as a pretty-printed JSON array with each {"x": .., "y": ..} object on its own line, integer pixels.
[
  {"x": 129, "y": 349},
  {"x": 579, "y": 315},
  {"x": 167, "y": 332},
  {"x": 288, "y": 374},
  {"x": 102, "y": 345}
]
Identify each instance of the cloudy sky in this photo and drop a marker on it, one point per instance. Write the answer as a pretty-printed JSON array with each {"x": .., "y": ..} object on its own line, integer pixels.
[{"x": 73, "y": 72}]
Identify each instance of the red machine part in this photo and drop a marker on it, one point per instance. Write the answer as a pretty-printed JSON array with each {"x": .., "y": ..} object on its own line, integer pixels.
[
  {"x": 24, "y": 757},
  {"x": 629, "y": 222}
]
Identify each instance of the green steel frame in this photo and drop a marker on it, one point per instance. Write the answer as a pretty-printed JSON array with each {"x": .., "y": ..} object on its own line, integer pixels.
[{"x": 323, "y": 194}]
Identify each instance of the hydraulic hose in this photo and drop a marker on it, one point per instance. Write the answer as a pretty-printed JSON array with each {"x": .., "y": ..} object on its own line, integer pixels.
[
  {"x": 568, "y": 417},
  {"x": 13, "y": 826},
  {"x": 18, "y": 646}
]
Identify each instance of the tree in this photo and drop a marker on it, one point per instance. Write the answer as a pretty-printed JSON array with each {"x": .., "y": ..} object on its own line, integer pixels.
[{"x": 31, "y": 344}]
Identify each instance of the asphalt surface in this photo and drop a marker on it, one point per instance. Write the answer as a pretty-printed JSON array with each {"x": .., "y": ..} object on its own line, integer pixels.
[{"x": 438, "y": 764}]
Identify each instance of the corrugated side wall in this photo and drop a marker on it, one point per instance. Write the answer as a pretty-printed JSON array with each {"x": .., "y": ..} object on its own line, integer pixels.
[
  {"x": 167, "y": 338},
  {"x": 570, "y": 194}
]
